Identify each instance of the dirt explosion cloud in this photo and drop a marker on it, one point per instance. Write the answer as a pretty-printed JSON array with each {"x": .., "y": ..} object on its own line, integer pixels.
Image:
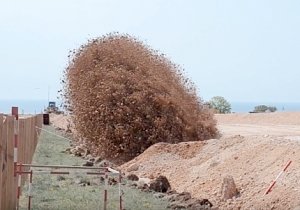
[{"x": 125, "y": 97}]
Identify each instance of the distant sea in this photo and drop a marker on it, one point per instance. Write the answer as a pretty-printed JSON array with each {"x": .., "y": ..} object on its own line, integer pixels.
[{"x": 38, "y": 106}]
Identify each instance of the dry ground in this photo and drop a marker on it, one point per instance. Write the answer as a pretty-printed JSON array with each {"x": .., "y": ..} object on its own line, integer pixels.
[{"x": 253, "y": 149}]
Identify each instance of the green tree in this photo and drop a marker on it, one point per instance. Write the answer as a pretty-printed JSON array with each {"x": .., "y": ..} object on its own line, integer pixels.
[{"x": 220, "y": 104}]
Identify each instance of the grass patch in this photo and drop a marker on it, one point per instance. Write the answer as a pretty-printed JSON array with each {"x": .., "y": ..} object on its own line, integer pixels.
[{"x": 66, "y": 192}]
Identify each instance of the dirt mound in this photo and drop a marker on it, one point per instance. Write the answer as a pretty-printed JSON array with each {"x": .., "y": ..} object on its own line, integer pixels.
[
  {"x": 125, "y": 97},
  {"x": 252, "y": 161}
]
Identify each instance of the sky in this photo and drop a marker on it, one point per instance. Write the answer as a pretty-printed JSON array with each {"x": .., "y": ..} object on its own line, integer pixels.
[{"x": 245, "y": 51}]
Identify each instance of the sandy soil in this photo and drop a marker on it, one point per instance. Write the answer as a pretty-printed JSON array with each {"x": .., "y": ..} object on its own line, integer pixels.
[
  {"x": 275, "y": 124},
  {"x": 253, "y": 149},
  {"x": 61, "y": 121}
]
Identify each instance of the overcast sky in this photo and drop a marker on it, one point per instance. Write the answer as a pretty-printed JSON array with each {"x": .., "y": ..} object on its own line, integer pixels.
[{"x": 246, "y": 51}]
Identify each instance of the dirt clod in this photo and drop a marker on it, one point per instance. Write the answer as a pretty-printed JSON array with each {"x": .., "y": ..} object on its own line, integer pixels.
[
  {"x": 88, "y": 163},
  {"x": 132, "y": 177},
  {"x": 160, "y": 184},
  {"x": 112, "y": 181}
]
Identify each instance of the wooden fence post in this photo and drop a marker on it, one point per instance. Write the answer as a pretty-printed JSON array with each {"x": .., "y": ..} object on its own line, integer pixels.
[
  {"x": 22, "y": 146},
  {"x": 1, "y": 157},
  {"x": 18, "y": 140},
  {"x": 15, "y": 114},
  {"x": 11, "y": 185},
  {"x": 4, "y": 165}
]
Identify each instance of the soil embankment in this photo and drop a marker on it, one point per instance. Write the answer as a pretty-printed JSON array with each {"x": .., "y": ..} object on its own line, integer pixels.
[{"x": 253, "y": 149}]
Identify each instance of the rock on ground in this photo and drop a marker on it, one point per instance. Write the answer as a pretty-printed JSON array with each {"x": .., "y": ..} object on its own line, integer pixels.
[
  {"x": 228, "y": 189},
  {"x": 160, "y": 184}
]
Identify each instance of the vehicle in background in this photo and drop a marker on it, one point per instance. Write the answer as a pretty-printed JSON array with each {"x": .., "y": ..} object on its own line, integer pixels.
[{"x": 52, "y": 108}]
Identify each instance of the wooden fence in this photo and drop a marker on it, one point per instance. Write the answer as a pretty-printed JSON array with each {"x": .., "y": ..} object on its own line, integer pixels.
[{"x": 24, "y": 129}]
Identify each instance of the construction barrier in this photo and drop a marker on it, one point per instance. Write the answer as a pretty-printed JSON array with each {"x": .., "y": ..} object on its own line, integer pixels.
[
  {"x": 52, "y": 169},
  {"x": 18, "y": 140}
]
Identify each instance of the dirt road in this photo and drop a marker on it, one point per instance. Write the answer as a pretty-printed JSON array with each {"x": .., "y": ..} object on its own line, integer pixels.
[{"x": 272, "y": 124}]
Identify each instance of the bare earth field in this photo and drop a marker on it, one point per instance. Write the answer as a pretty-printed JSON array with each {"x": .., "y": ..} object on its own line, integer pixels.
[{"x": 253, "y": 149}]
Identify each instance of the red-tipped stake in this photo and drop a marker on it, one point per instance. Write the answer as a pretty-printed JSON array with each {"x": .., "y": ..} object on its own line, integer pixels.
[{"x": 274, "y": 182}]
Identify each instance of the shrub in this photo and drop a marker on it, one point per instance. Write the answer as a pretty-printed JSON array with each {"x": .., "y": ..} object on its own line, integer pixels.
[
  {"x": 272, "y": 108},
  {"x": 125, "y": 97},
  {"x": 264, "y": 108}
]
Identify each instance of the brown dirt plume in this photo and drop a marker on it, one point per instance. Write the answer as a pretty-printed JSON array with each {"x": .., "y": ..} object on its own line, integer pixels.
[{"x": 124, "y": 97}]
